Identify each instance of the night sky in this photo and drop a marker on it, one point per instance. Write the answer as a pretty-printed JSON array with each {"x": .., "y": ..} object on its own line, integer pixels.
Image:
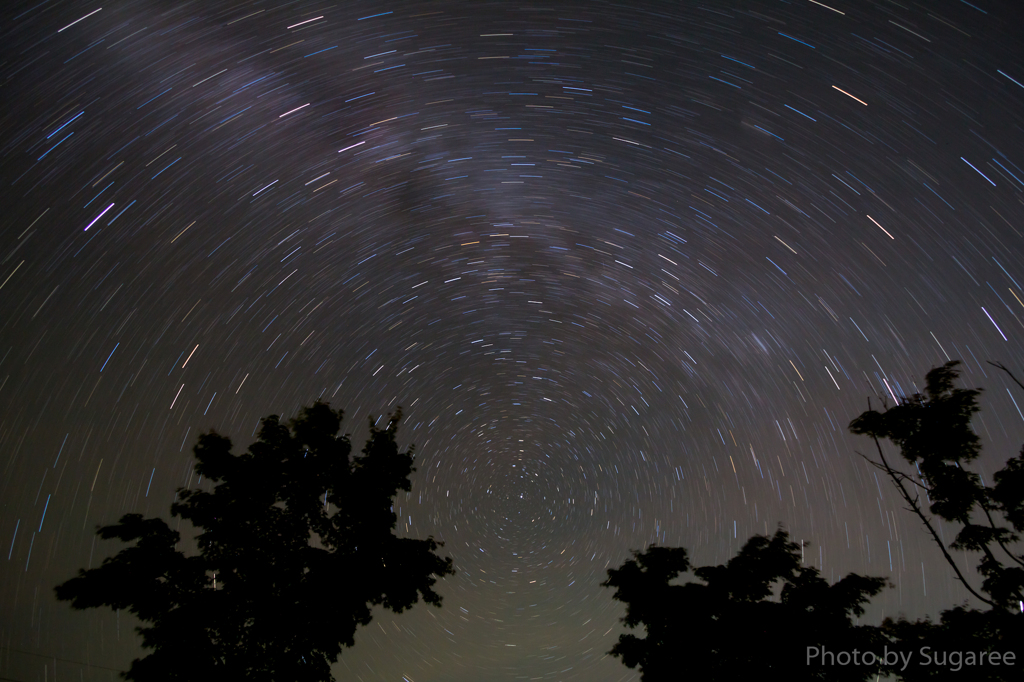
[{"x": 630, "y": 269}]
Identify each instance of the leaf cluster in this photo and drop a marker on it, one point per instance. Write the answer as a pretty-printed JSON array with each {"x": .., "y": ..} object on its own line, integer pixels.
[
  {"x": 933, "y": 433},
  {"x": 730, "y": 625},
  {"x": 959, "y": 629},
  {"x": 296, "y": 546}
]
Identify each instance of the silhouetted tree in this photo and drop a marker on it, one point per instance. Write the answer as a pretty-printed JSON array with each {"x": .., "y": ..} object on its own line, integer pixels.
[
  {"x": 933, "y": 433},
  {"x": 763, "y": 613},
  {"x": 959, "y": 646},
  {"x": 297, "y": 545},
  {"x": 760, "y": 616}
]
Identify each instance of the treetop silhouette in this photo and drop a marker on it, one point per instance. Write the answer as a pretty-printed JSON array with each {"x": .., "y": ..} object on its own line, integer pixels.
[
  {"x": 933, "y": 433},
  {"x": 297, "y": 545},
  {"x": 764, "y": 613},
  {"x": 730, "y": 625}
]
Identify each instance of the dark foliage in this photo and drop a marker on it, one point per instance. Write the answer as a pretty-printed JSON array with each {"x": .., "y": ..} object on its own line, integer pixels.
[
  {"x": 731, "y": 626},
  {"x": 764, "y": 615},
  {"x": 958, "y": 647},
  {"x": 933, "y": 433},
  {"x": 297, "y": 545}
]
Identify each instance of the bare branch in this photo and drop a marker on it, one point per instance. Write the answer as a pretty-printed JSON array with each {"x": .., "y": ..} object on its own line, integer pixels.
[
  {"x": 905, "y": 477},
  {"x": 893, "y": 472},
  {"x": 999, "y": 365}
]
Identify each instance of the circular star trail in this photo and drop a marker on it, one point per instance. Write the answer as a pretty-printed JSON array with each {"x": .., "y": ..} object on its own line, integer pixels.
[{"x": 629, "y": 270}]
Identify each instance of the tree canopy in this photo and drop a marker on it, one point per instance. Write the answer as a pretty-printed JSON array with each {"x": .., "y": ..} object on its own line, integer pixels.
[
  {"x": 297, "y": 545},
  {"x": 764, "y": 613},
  {"x": 750, "y": 618},
  {"x": 933, "y": 433}
]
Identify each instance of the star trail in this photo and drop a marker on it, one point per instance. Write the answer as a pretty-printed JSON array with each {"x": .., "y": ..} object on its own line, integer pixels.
[{"x": 629, "y": 269}]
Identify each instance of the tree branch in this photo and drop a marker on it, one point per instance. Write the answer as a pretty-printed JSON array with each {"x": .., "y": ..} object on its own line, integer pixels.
[
  {"x": 1003, "y": 367},
  {"x": 984, "y": 506},
  {"x": 893, "y": 472},
  {"x": 916, "y": 508},
  {"x": 988, "y": 552},
  {"x": 1000, "y": 542}
]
